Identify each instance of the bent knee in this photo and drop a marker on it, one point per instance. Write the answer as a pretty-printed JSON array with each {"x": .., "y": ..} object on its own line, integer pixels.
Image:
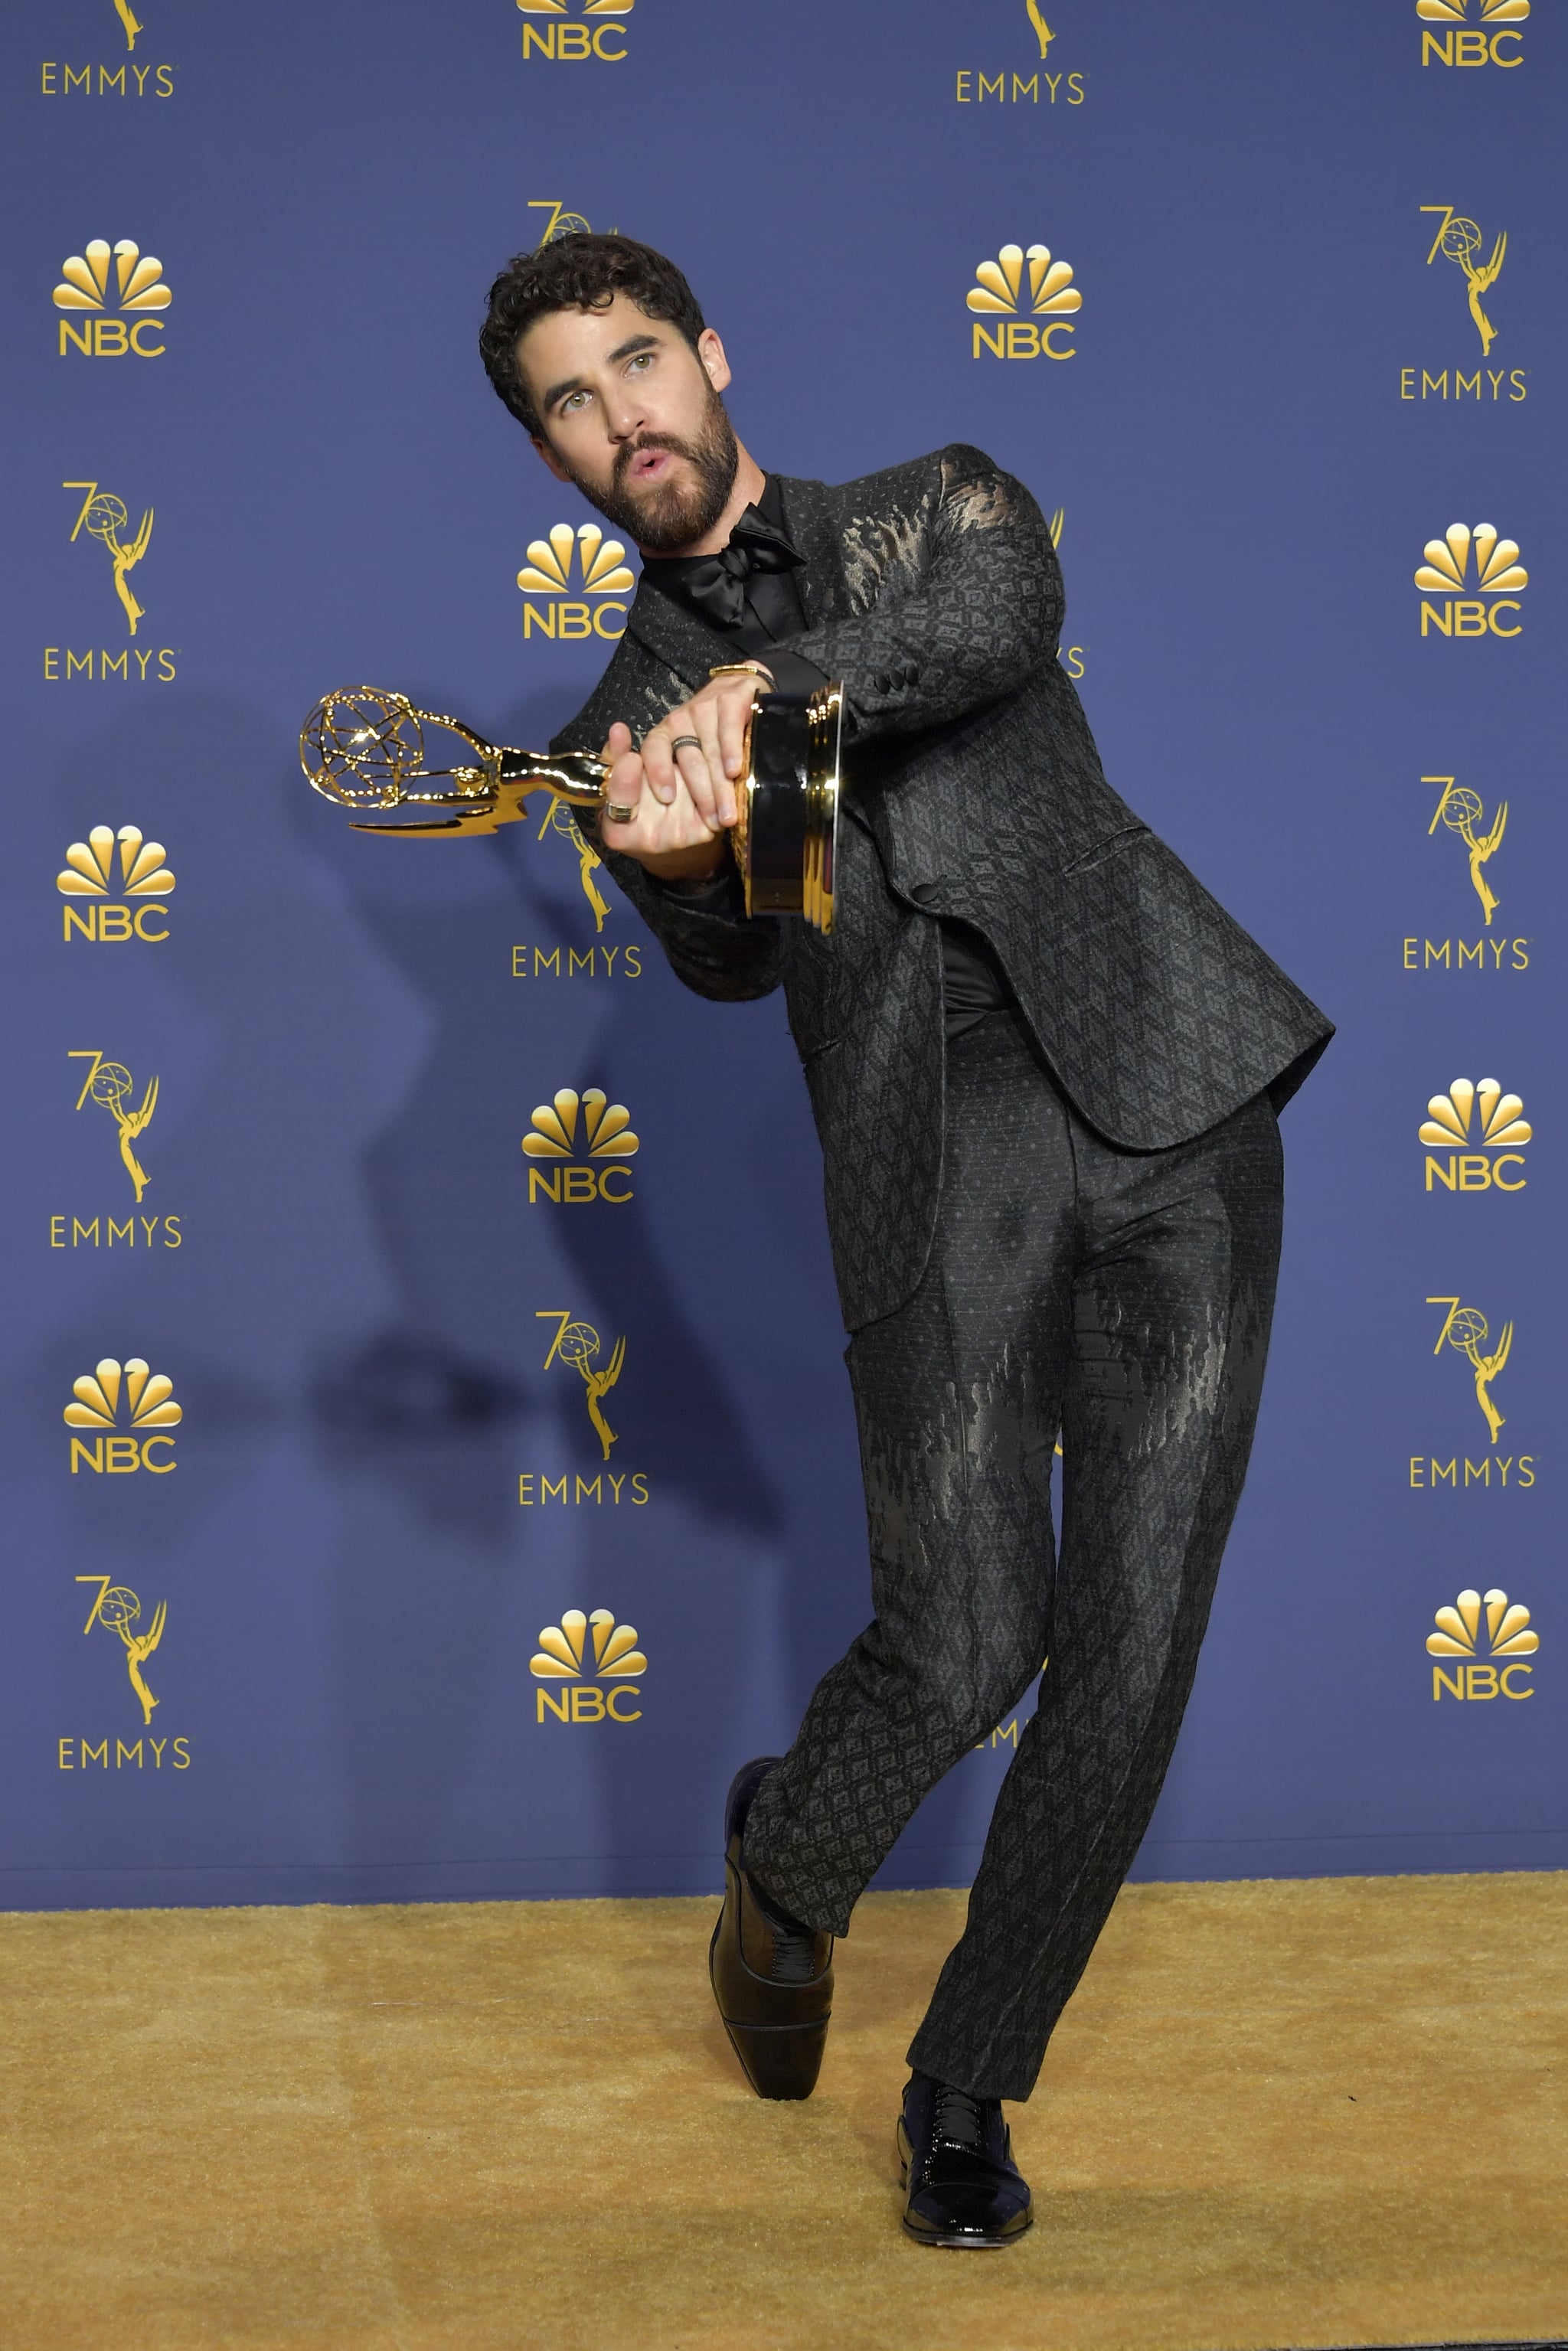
[{"x": 959, "y": 1700}]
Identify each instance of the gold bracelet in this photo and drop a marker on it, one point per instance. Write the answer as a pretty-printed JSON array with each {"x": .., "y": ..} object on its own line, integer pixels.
[{"x": 745, "y": 669}]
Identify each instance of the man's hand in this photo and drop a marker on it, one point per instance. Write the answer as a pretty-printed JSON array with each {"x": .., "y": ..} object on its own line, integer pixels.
[
  {"x": 681, "y": 785},
  {"x": 668, "y": 837},
  {"x": 715, "y": 717}
]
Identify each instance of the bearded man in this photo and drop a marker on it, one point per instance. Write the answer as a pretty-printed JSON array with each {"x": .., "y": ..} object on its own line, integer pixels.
[{"x": 1045, "y": 1068}]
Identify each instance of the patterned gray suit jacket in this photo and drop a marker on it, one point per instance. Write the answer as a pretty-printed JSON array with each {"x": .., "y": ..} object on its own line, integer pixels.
[{"x": 933, "y": 591}]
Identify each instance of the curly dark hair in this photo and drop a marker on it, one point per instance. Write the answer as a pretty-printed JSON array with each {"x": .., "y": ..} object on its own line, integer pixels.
[{"x": 575, "y": 273}]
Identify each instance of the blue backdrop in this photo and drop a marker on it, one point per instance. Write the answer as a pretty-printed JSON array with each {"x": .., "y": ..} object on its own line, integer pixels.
[{"x": 282, "y": 1646}]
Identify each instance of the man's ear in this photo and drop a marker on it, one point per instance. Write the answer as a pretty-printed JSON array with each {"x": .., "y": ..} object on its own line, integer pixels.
[
  {"x": 549, "y": 457},
  {"x": 710, "y": 352}
]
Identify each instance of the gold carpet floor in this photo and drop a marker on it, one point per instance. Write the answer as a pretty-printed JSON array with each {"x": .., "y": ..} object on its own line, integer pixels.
[{"x": 1317, "y": 2113}]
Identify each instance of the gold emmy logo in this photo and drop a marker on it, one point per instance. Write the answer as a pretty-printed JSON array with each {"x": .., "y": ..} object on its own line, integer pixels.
[
  {"x": 1460, "y": 240},
  {"x": 578, "y": 1343},
  {"x": 1480, "y": 47},
  {"x": 1447, "y": 567},
  {"x": 111, "y": 1085},
  {"x": 1465, "y": 1330},
  {"x": 998, "y": 292},
  {"x": 1042, "y": 31},
  {"x": 89, "y": 874},
  {"x": 103, "y": 517},
  {"x": 1463, "y": 812},
  {"x": 562, "y": 1656},
  {"x": 148, "y": 1398},
  {"x": 1459, "y": 1635},
  {"x": 603, "y": 575},
  {"x": 138, "y": 287},
  {"x": 1499, "y": 1130},
  {"x": 118, "y": 1607},
  {"x": 558, "y": 819},
  {"x": 606, "y": 1134},
  {"x": 132, "y": 23}
]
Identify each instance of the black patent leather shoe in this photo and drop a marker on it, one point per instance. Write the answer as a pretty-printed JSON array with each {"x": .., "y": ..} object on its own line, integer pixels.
[
  {"x": 955, "y": 2154},
  {"x": 771, "y": 1976}
]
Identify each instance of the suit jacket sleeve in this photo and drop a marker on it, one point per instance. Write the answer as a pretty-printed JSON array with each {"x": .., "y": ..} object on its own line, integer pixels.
[{"x": 964, "y": 598}]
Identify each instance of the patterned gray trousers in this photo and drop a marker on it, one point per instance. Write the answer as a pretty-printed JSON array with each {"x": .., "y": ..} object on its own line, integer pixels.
[{"x": 1123, "y": 1298}]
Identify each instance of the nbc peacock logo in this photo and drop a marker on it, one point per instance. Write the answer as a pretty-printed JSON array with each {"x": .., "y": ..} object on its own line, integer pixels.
[
  {"x": 584, "y": 562},
  {"x": 564, "y": 1655},
  {"x": 1473, "y": 35},
  {"x": 566, "y": 1136},
  {"x": 1471, "y": 1115},
  {"x": 138, "y": 291},
  {"x": 576, "y": 32},
  {"x": 1499, "y": 575},
  {"x": 94, "y": 883},
  {"x": 1472, "y": 1636},
  {"x": 128, "y": 1411},
  {"x": 1000, "y": 292}
]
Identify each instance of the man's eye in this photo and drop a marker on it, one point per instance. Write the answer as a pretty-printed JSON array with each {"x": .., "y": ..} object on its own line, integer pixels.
[
  {"x": 573, "y": 400},
  {"x": 643, "y": 359}
]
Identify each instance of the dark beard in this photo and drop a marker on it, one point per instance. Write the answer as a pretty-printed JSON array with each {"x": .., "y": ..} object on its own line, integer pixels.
[{"x": 672, "y": 517}]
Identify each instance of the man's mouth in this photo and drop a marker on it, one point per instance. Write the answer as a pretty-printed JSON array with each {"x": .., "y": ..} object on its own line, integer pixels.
[{"x": 650, "y": 465}]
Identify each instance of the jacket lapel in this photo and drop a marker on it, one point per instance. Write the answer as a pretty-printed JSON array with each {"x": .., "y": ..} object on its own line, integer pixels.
[{"x": 809, "y": 520}]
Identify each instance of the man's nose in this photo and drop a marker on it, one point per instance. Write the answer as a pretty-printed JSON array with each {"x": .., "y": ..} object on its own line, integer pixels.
[{"x": 624, "y": 412}]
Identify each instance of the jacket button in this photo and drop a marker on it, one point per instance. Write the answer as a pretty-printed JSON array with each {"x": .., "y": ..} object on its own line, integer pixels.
[
  {"x": 882, "y": 683},
  {"x": 923, "y": 891},
  {"x": 911, "y": 675}
]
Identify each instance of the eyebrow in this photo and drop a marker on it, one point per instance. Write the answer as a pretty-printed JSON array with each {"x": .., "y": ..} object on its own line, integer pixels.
[{"x": 558, "y": 391}]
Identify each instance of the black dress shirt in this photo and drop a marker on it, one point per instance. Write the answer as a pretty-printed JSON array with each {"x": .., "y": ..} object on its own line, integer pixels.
[
  {"x": 764, "y": 594},
  {"x": 749, "y": 596}
]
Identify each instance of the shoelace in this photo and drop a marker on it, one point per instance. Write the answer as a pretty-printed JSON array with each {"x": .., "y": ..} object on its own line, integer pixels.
[
  {"x": 958, "y": 2120},
  {"x": 794, "y": 1957},
  {"x": 794, "y": 1945}
]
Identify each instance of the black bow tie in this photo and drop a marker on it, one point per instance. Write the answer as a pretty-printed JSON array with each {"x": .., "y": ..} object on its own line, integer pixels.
[{"x": 717, "y": 584}]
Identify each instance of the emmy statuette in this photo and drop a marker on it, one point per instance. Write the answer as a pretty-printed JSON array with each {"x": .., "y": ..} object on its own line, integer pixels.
[{"x": 365, "y": 749}]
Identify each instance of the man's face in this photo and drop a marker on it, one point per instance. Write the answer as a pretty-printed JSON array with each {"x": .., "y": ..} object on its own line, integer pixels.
[{"x": 633, "y": 415}]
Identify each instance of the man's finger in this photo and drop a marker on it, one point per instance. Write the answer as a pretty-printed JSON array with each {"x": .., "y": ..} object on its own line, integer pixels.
[
  {"x": 693, "y": 763},
  {"x": 658, "y": 760},
  {"x": 735, "y": 708},
  {"x": 706, "y": 714},
  {"x": 622, "y": 789}
]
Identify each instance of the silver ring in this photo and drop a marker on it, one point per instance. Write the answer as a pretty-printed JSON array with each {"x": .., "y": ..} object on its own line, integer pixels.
[
  {"x": 679, "y": 742},
  {"x": 615, "y": 815}
]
